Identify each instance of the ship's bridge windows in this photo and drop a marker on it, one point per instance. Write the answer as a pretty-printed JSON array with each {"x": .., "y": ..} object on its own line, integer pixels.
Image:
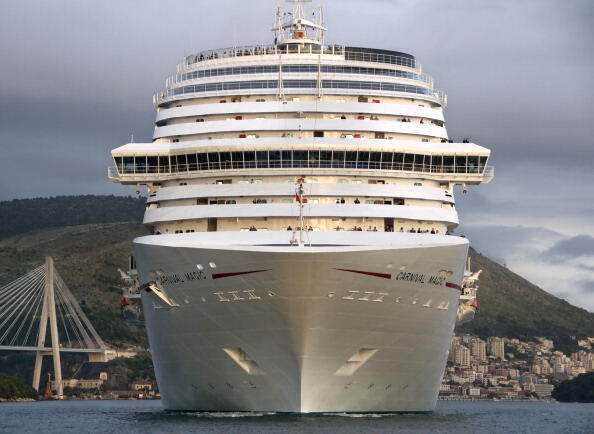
[{"x": 300, "y": 159}]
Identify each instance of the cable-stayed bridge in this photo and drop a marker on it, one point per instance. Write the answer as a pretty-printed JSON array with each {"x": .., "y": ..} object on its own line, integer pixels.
[{"x": 38, "y": 299}]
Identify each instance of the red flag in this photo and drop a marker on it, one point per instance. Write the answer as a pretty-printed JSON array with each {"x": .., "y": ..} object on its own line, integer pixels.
[{"x": 297, "y": 198}]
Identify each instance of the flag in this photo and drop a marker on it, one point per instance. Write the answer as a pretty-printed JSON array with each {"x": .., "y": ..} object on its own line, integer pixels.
[{"x": 297, "y": 198}]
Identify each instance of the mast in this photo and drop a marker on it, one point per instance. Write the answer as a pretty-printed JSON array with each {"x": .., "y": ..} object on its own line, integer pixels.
[
  {"x": 300, "y": 192},
  {"x": 296, "y": 28}
]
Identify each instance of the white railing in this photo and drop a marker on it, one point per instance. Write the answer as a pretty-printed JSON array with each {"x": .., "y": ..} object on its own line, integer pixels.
[{"x": 410, "y": 168}]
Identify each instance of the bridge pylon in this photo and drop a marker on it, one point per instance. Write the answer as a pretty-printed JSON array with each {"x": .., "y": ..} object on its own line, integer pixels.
[
  {"x": 48, "y": 313},
  {"x": 35, "y": 301}
]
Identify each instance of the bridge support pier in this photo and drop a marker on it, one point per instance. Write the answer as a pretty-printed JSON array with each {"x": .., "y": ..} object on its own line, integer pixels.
[{"x": 49, "y": 313}]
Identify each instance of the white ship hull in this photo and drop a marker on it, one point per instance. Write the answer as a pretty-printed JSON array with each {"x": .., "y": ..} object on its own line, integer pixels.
[{"x": 360, "y": 328}]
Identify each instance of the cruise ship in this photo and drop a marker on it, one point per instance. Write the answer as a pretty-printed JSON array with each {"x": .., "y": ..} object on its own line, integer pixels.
[{"x": 301, "y": 208}]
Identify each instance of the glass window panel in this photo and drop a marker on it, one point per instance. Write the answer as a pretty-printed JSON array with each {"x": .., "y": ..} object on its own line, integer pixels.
[
  {"x": 338, "y": 160},
  {"x": 274, "y": 158},
  {"x": 299, "y": 158},
  {"x": 461, "y": 164},
  {"x": 374, "y": 160},
  {"x": 262, "y": 159},
  {"x": 325, "y": 158},
  {"x": 237, "y": 158},
  {"x": 314, "y": 159},
  {"x": 363, "y": 160},
  {"x": 351, "y": 160},
  {"x": 287, "y": 159},
  {"x": 213, "y": 161},
  {"x": 387, "y": 160},
  {"x": 164, "y": 165},
  {"x": 140, "y": 164},
  {"x": 409, "y": 160},
  {"x": 202, "y": 162},
  {"x": 192, "y": 162},
  {"x": 482, "y": 162},
  {"x": 249, "y": 157},
  {"x": 128, "y": 164},
  {"x": 448, "y": 164},
  {"x": 473, "y": 163},
  {"x": 225, "y": 158}
]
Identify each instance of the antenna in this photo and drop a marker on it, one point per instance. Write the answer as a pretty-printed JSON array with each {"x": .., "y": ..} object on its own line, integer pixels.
[{"x": 295, "y": 28}]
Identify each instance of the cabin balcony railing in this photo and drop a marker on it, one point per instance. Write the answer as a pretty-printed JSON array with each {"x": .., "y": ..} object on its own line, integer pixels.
[
  {"x": 175, "y": 170},
  {"x": 274, "y": 50}
]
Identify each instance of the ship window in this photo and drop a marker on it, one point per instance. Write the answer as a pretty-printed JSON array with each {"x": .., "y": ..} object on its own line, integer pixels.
[
  {"x": 461, "y": 164},
  {"x": 482, "y": 162},
  {"x": 318, "y": 134},
  {"x": 314, "y": 159},
  {"x": 249, "y": 158},
  {"x": 299, "y": 158},
  {"x": 192, "y": 162},
  {"x": 341, "y": 100},
  {"x": 213, "y": 161},
  {"x": 199, "y": 120},
  {"x": 343, "y": 181},
  {"x": 152, "y": 164},
  {"x": 119, "y": 163},
  {"x": 387, "y": 160},
  {"x": 230, "y": 202},
  {"x": 274, "y": 158},
  {"x": 418, "y": 184},
  {"x": 129, "y": 165},
  {"x": 473, "y": 164},
  {"x": 260, "y": 100},
  {"x": 338, "y": 159},
  {"x": 311, "y": 181},
  {"x": 409, "y": 160},
  {"x": 252, "y": 136},
  {"x": 398, "y": 163},
  {"x": 351, "y": 159},
  {"x": 357, "y": 181},
  {"x": 448, "y": 164},
  {"x": 287, "y": 159},
  {"x": 237, "y": 160},
  {"x": 363, "y": 160},
  {"x": 374, "y": 160},
  {"x": 262, "y": 159},
  {"x": 202, "y": 162},
  {"x": 325, "y": 158},
  {"x": 436, "y": 164},
  {"x": 419, "y": 162},
  {"x": 175, "y": 140},
  {"x": 181, "y": 162},
  {"x": 225, "y": 158},
  {"x": 287, "y": 200}
]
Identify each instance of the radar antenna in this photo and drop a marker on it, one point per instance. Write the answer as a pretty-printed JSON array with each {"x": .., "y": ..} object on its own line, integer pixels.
[{"x": 294, "y": 28}]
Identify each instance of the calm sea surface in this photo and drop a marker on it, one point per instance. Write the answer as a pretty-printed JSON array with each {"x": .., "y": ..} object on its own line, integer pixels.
[{"x": 148, "y": 417}]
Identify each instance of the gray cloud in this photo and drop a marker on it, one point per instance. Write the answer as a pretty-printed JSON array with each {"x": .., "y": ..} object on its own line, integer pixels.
[
  {"x": 586, "y": 286},
  {"x": 575, "y": 247}
]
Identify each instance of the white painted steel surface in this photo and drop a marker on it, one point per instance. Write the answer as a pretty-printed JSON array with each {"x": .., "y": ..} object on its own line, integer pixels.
[
  {"x": 299, "y": 322},
  {"x": 191, "y": 212},
  {"x": 311, "y": 190}
]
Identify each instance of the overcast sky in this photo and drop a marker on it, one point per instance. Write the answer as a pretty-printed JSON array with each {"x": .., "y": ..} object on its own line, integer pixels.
[{"x": 77, "y": 79}]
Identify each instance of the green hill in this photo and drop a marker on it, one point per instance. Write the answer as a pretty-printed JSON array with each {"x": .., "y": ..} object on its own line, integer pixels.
[
  {"x": 23, "y": 215},
  {"x": 14, "y": 388},
  {"x": 510, "y": 306}
]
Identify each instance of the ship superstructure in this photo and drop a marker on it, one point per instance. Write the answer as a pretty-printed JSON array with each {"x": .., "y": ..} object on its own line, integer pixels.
[{"x": 301, "y": 201}]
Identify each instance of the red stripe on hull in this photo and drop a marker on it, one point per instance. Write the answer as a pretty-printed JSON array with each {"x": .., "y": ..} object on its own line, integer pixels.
[
  {"x": 223, "y": 275},
  {"x": 453, "y": 285},
  {"x": 367, "y": 273}
]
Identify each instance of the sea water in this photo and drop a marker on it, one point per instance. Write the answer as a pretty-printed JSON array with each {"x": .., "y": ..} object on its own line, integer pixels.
[{"x": 131, "y": 417}]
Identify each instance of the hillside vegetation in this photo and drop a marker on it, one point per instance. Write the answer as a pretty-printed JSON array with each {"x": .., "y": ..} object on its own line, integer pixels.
[
  {"x": 14, "y": 388},
  {"x": 510, "y": 306},
  {"x": 24, "y": 215}
]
